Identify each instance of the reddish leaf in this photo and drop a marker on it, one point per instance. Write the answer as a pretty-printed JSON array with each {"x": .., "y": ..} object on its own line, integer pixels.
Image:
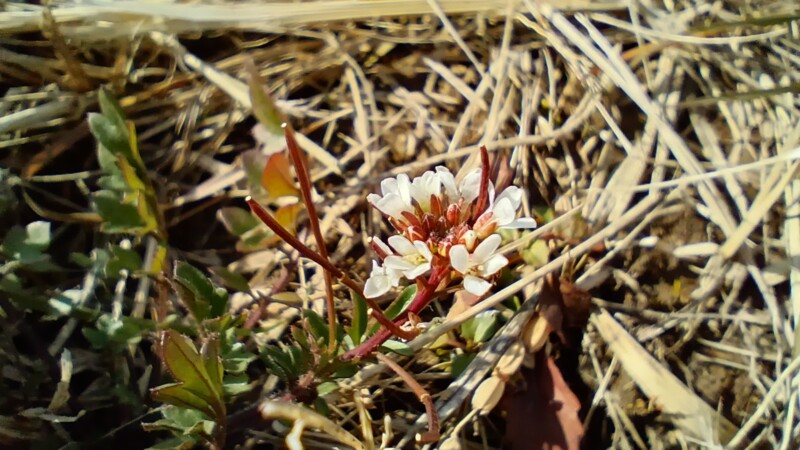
[
  {"x": 545, "y": 415},
  {"x": 277, "y": 179}
]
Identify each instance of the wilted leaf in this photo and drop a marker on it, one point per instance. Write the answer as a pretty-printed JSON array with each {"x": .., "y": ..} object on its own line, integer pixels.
[
  {"x": 546, "y": 414},
  {"x": 277, "y": 178},
  {"x": 287, "y": 215},
  {"x": 488, "y": 394}
]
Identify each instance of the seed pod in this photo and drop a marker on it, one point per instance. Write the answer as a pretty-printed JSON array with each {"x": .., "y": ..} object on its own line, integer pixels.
[
  {"x": 510, "y": 361},
  {"x": 535, "y": 334},
  {"x": 488, "y": 395}
]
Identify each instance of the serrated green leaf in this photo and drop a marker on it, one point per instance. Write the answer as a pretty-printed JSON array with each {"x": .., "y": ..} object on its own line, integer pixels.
[
  {"x": 178, "y": 395},
  {"x": 319, "y": 328},
  {"x": 237, "y": 359},
  {"x": 188, "y": 368},
  {"x": 359, "y": 325},
  {"x": 210, "y": 353}
]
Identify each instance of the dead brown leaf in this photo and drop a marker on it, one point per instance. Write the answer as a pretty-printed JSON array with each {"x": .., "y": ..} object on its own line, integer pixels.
[{"x": 545, "y": 414}]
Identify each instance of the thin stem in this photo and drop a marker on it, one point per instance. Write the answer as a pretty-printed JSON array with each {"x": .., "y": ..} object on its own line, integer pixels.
[
  {"x": 483, "y": 195},
  {"x": 432, "y": 435},
  {"x": 304, "y": 250},
  {"x": 305, "y": 189},
  {"x": 424, "y": 296}
]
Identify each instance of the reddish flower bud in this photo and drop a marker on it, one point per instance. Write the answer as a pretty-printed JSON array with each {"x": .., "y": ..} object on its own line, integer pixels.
[
  {"x": 485, "y": 225},
  {"x": 453, "y": 214}
]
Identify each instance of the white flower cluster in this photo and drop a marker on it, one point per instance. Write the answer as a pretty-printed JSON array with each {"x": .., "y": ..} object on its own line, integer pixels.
[{"x": 439, "y": 226}]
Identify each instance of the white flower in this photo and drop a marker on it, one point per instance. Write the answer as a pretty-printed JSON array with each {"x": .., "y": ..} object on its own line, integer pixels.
[
  {"x": 468, "y": 189},
  {"x": 505, "y": 207},
  {"x": 502, "y": 213},
  {"x": 423, "y": 187},
  {"x": 381, "y": 280},
  {"x": 414, "y": 258},
  {"x": 396, "y": 196},
  {"x": 481, "y": 264}
]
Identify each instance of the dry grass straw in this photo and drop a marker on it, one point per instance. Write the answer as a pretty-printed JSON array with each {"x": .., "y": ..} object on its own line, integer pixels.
[{"x": 693, "y": 103}]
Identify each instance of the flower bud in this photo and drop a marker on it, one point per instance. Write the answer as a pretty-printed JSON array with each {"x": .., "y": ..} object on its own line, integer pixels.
[
  {"x": 486, "y": 225},
  {"x": 468, "y": 239},
  {"x": 453, "y": 214},
  {"x": 416, "y": 233}
]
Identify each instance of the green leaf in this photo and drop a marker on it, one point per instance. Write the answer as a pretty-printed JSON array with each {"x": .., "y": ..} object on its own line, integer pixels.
[
  {"x": 27, "y": 244},
  {"x": 263, "y": 107},
  {"x": 401, "y": 303},
  {"x": 122, "y": 259},
  {"x": 110, "y": 107},
  {"x": 118, "y": 216},
  {"x": 212, "y": 359},
  {"x": 359, "y": 325},
  {"x": 178, "y": 395},
  {"x": 481, "y": 327},
  {"x": 318, "y": 326},
  {"x": 190, "y": 370},
  {"x": 236, "y": 385},
  {"x": 459, "y": 363},
  {"x": 398, "y": 347},
  {"x": 233, "y": 280},
  {"x": 327, "y": 387},
  {"x": 200, "y": 296},
  {"x": 237, "y": 359},
  {"x": 110, "y": 134},
  {"x": 237, "y": 221}
]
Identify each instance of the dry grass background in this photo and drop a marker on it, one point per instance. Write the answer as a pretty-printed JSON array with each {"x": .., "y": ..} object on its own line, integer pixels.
[{"x": 671, "y": 128}]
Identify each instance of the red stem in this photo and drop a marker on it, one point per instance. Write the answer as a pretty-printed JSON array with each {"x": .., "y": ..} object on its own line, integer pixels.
[{"x": 424, "y": 296}]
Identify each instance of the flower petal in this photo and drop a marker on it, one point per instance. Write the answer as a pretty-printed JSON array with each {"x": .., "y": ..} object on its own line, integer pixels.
[
  {"x": 513, "y": 194},
  {"x": 475, "y": 285},
  {"x": 395, "y": 262},
  {"x": 493, "y": 265},
  {"x": 470, "y": 186},
  {"x": 378, "y": 282},
  {"x": 382, "y": 246},
  {"x": 486, "y": 249},
  {"x": 504, "y": 212},
  {"x": 522, "y": 222},
  {"x": 459, "y": 258},
  {"x": 449, "y": 183},
  {"x": 417, "y": 271},
  {"x": 422, "y": 249},
  {"x": 402, "y": 245}
]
